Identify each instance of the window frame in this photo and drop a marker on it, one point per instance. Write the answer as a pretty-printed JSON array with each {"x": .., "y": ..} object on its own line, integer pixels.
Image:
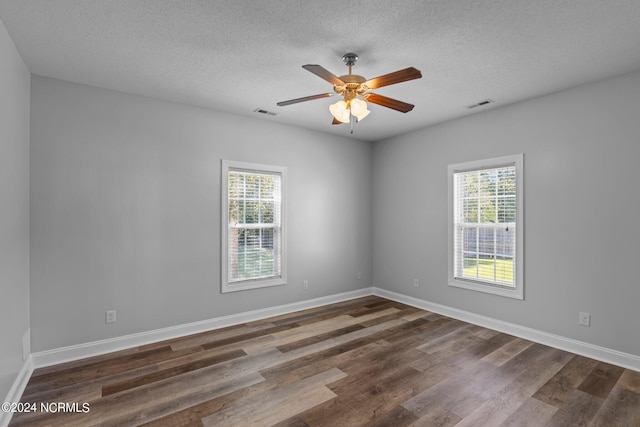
[
  {"x": 253, "y": 283},
  {"x": 517, "y": 291}
]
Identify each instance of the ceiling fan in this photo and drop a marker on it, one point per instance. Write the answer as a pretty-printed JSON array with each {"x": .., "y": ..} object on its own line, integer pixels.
[{"x": 355, "y": 90}]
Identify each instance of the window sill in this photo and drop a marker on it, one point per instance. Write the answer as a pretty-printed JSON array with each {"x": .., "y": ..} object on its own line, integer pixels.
[
  {"x": 509, "y": 292},
  {"x": 252, "y": 284}
]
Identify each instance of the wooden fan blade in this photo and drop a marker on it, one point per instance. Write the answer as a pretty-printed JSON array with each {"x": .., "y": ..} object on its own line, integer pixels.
[
  {"x": 394, "y": 104},
  {"x": 306, "y": 98},
  {"x": 323, "y": 73},
  {"x": 336, "y": 122},
  {"x": 393, "y": 78}
]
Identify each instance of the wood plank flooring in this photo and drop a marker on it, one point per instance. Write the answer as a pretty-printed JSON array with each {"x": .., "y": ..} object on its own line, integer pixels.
[{"x": 364, "y": 362}]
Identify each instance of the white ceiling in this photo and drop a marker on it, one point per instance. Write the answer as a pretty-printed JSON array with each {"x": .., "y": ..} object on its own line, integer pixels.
[{"x": 239, "y": 55}]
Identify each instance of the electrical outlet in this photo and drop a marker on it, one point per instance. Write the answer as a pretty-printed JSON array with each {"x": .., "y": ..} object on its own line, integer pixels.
[
  {"x": 305, "y": 284},
  {"x": 359, "y": 275},
  {"x": 110, "y": 316},
  {"x": 584, "y": 319},
  {"x": 416, "y": 283}
]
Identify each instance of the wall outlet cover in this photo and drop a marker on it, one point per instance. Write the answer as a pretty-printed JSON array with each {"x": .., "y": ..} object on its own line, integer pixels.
[
  {"x": 584, "y": 319},
  {"x": 110, "y": 316}
]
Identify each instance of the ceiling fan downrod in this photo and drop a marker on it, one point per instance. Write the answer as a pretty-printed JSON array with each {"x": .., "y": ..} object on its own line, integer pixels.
[{"x": 349, "y": 60}]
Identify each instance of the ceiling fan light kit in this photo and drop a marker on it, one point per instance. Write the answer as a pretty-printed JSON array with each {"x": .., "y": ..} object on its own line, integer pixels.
[{"x": 355, "y": 90}]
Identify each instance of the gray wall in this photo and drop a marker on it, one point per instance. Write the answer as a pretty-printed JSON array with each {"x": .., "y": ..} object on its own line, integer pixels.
[
  {"x": 14, "y": 209},
  {"x": 125, "y": 201},
  {"x": 125, "y": 195},
  {"x": 582, "y": 197}
]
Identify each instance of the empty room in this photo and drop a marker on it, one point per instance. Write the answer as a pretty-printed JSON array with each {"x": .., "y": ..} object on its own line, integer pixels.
[{"x": 337, "y": 213}]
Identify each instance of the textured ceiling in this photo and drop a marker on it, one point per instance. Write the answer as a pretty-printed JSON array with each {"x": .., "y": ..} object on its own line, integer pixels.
[{"x": 237, "y": 55}]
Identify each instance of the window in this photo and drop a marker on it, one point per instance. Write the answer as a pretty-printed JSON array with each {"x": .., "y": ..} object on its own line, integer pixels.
[
  {"x": 253, "y": 239},
  {"x": 485, "y": 226}
]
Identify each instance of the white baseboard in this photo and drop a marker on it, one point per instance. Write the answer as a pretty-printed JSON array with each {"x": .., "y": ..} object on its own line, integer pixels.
[
  {"x": 95, "y": 348},
  {"x": 16, "y": 390},
  {"x": 67, "y": 354},
  {"x": 592, "y": 351}
]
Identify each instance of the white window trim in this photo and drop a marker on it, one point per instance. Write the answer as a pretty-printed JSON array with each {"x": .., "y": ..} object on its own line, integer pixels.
[
  {"x": 516, "y": 292},
  {"x": 227, "y": 286}
]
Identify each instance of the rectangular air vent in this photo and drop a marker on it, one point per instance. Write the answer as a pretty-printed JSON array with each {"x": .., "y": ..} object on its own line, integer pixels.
[
  {"x": 481, "y": 103},
  {"x": 263, "y": 111}
]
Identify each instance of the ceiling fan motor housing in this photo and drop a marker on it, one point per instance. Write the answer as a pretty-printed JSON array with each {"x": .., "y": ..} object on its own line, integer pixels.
[{"x": 354, "y": 84}]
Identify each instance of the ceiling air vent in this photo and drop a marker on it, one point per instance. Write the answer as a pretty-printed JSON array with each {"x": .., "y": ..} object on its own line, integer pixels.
[
  {"x": 481, "y": 103},
  {"x": 263, "y": 111}
]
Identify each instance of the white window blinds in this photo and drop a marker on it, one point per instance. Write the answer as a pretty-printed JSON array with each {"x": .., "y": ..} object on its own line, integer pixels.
[{"x": 484, "y": 223}]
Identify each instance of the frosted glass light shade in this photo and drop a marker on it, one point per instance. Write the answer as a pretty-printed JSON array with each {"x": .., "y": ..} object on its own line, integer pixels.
[
  {"x": 340, "y": 111},
  {"x": 362, "y": 115},
  {"x": 358, "y": 106}
]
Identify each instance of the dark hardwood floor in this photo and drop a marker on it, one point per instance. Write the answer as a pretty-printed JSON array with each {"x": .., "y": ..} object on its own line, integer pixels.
[{"x": 365, "y": 362}]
